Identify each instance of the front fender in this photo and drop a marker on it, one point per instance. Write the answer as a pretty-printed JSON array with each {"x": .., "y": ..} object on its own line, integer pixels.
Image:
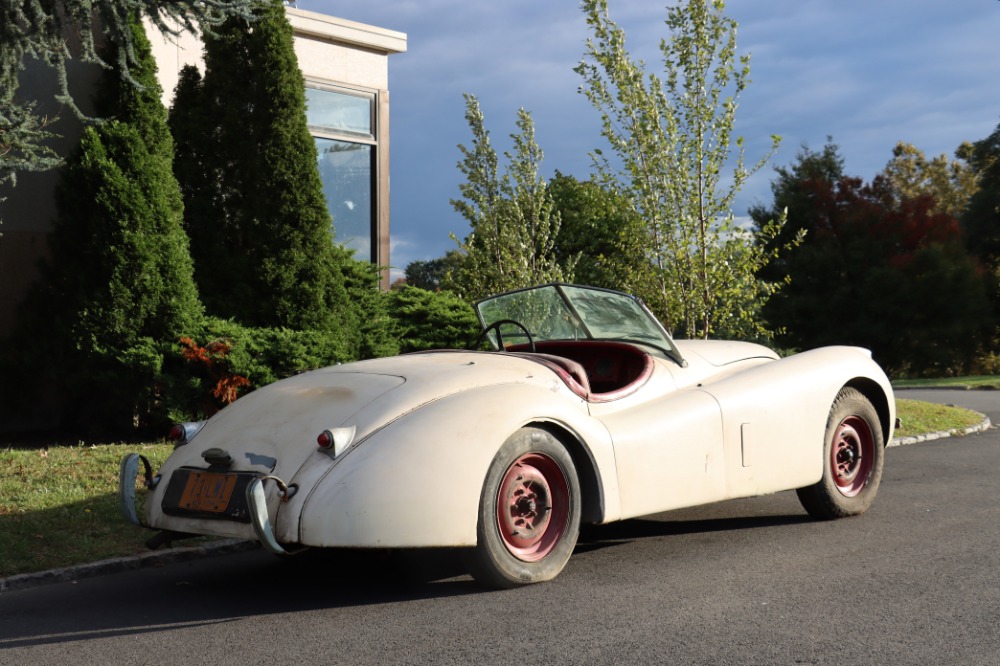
[
  {"x": 774, "y": 415},
  {"x": 417, "y": 481}
]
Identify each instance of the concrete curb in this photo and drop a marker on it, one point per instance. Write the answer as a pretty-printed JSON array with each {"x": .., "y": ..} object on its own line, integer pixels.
[
  {"x": 983, "y": 425},
  {"x": 154, "y": 558},
  {"x": 159, "y": 558}
]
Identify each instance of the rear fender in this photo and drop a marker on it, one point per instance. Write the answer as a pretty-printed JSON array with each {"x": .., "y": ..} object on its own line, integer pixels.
[{"x": 417, "y": 481}]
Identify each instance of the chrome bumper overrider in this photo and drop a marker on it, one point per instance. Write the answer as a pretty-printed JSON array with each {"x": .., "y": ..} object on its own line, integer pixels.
[
  {"x": 127, "y": 475},
  {"x": 257, "y": 503}
]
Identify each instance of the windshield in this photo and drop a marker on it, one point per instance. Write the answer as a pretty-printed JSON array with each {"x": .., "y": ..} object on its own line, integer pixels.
[{"x": 570, "y": 312}]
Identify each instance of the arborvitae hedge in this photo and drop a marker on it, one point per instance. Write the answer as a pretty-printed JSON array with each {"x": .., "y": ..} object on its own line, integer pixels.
[
  {"x": 119, "y": 279},
  {"x": 257, "y": 218}
]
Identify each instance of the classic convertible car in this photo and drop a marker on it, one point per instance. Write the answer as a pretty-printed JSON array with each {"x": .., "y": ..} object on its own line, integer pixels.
[{"x": 588, "y": 411}]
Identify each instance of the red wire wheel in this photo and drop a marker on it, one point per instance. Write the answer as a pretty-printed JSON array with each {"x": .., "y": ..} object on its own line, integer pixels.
[
  {"x": 532, "y": 506},
  {"x": 852, "y": 455}
]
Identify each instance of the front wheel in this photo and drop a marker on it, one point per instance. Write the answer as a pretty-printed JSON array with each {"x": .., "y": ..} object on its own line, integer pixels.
[
  {"x": 853, "y": 455},
  {"x": 529, "y": 512}
]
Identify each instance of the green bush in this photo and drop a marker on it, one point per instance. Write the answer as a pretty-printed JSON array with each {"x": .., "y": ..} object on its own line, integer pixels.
[
  {"x": 432, "y": 319},
  {"x": 203, "y": 372}
]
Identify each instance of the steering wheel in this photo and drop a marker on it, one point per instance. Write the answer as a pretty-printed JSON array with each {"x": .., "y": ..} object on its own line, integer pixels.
[{"x": 502, "y": 322}]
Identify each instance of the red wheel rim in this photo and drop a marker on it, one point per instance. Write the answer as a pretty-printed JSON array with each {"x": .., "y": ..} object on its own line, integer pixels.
[
  {"x": 852, "y": 455},
  {"x": 532, "y": 506}
]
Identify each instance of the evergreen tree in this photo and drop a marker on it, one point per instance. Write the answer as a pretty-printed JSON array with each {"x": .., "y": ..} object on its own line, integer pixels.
[
  {"x": 874, "y": 271},
  {"x": 981, "y": 220},
  {"x": 119, "y": 281},
  {"x": 259, "y": 226},
  {"x": 432, "y": 319}
]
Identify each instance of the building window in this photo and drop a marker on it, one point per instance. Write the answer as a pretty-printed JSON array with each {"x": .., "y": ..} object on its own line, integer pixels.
[{"x": 344, "y": 125}]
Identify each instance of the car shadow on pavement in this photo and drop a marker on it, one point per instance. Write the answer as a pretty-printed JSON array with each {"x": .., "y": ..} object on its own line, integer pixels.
[{"x": 596, "y": 537}]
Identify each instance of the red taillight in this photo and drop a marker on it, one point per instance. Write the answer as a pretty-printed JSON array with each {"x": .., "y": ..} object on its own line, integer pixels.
[
  {"x": 182, "y": 433},
  {"x": 325, "y": 439}
]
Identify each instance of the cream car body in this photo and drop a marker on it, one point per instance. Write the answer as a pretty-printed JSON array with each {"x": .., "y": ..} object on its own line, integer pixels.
[{"x": 693, "y": 422}]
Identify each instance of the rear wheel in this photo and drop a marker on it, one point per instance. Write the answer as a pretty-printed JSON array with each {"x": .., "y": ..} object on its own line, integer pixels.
[
  {"x": 853, "y": 456},
  {"x": 529, "y": 512}
]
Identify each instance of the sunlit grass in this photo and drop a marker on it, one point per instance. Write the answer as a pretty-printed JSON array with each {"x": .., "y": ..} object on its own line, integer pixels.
[
  {"x": 924, "y": 417},
  {"x": 59, "y": 506}
]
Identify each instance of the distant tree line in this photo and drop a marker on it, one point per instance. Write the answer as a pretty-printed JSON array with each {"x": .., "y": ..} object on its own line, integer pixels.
[{"x": 898, "y": 265}]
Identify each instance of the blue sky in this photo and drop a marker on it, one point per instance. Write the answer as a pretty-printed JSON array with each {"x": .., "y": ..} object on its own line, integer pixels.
[{"x": 868, "y": 73}]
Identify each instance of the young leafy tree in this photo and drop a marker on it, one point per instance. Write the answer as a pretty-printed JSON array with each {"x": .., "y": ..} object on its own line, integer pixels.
[
  {"x": 119, "y": 281},
  {"x": 672, "y": 136},
  {"x": 257, "y": 218},
  {"x": 55, "y": 31},
  {"x": 511, "y": 214}
]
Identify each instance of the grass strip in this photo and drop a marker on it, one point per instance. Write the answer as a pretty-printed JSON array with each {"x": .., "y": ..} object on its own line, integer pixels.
[
  {"x": 920, "y": 418},
  {"x": 979, "y": 382}
]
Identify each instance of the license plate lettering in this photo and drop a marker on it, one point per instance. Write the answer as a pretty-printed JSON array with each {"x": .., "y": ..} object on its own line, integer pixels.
[{"x": 207, "y": 491}]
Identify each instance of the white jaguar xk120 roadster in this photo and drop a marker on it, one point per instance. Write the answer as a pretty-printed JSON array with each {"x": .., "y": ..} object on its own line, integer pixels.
[{"x": 588, "y": 411}]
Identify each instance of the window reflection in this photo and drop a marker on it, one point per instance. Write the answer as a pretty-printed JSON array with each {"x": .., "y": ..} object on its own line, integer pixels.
[
  {"x": 346, "y": 171},
  {"x": 337, "y": 112}
]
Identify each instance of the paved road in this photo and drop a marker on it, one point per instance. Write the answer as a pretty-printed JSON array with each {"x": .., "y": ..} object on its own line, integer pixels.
[
  {"x": 916, "y": 580},
  {"x": 986, "y": 402}
]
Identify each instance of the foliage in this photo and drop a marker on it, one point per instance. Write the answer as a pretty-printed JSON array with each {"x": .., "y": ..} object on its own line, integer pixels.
[
  {"x": 950, "y": 183},
  {"x": 981, "y": 222},
  {"x": 55, "y": 31},
  {"x": 221, "y": 360},
  {"x": 432, "y": 319},
  {"x": 511, "y": 215},
  {"x": 433, "y": 274},
  {"x": 672, "y": 137},
  {"x": 874, "y": 271},
  {"x": 259, "y": 226},
  {"x": 599, "y": 229},
  {"x": 119, "y": 279}
]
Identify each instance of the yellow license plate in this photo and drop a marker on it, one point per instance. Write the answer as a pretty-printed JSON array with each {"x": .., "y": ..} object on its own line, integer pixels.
[{"x": 207, "y": 491}]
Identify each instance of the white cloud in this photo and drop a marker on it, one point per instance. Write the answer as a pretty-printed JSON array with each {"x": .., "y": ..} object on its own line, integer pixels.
[{"x": 868, "y": 73}]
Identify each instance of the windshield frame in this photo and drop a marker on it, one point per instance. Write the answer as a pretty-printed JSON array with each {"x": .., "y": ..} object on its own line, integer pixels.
[{"x": 566, "y": 306}]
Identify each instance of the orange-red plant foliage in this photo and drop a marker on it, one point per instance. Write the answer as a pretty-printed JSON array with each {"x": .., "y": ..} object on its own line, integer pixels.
[{"x": 212, "y": 357}]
